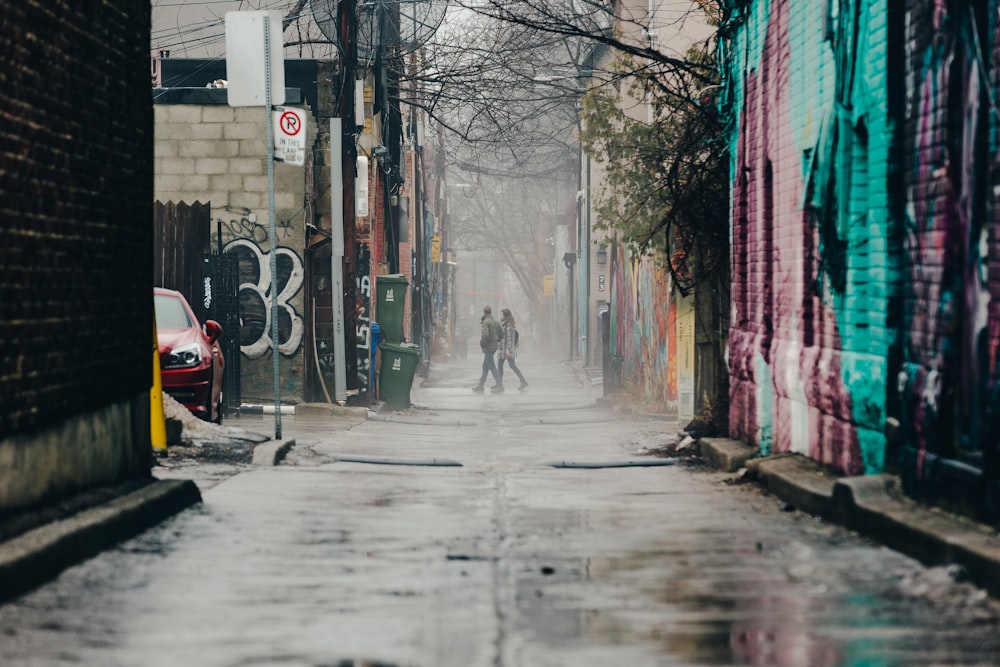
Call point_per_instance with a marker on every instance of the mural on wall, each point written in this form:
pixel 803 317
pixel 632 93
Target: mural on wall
pixel 247 238
pixel 809 338
pixel 949 378
pixel 643 331
pixel 864 267
pixel 256 301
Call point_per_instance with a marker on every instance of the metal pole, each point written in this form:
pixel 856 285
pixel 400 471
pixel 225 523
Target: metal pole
pixel 584 312
pixel 574 276
pixel 269 150
pixel 337 259
pixel 572 321
pixel 575 333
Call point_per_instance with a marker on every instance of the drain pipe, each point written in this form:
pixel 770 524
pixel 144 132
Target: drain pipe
pixel 612 464
pixel 441 463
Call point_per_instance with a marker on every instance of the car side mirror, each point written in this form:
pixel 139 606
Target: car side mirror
pixel 213 330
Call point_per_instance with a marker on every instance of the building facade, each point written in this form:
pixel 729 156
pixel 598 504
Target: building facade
pixel 76 240
pixel 212 153
pixel 209 152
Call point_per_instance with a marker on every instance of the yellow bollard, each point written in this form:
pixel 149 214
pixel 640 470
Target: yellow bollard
pixel 157 420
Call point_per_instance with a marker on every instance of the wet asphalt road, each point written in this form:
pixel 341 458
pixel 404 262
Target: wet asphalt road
pixel 503 561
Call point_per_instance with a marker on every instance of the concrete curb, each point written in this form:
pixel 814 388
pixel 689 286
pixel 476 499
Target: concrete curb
pixel 796 480
pixel 39 555
pixel 308 410
pixel 725 454
pixel 872 505
pixel 327 410
pixel 272 453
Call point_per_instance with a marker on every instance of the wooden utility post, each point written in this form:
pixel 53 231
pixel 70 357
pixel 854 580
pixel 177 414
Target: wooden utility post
pixel 348 29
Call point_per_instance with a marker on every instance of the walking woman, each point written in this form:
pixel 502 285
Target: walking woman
pixel 508 347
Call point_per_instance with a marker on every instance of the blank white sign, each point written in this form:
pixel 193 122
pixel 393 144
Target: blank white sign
pixel 245 58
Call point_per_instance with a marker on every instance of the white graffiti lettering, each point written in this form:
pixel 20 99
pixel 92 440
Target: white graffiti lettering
pixel 258 293
pixel 208 293
pixel 365 286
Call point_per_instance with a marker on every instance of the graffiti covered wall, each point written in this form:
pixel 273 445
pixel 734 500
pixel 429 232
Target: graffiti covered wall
pixel 643 328
pixel 215 153
pixel 948 370
pixel 245 233
pixel 866 289
pixel 811 270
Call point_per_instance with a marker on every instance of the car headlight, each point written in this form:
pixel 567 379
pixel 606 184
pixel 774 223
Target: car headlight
pixel 185 356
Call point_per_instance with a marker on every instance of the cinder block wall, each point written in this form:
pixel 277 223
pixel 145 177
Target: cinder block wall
pixel 75 247
pixel 810 333
pixel 214 153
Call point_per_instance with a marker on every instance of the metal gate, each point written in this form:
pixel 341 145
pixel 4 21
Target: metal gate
pixel 222 304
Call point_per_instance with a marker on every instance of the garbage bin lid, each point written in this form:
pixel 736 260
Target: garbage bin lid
pixel 405 348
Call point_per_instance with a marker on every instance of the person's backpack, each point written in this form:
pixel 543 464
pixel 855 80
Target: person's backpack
pixel 517 338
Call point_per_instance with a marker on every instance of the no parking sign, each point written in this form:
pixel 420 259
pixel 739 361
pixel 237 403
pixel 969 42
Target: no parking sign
pixel 290 135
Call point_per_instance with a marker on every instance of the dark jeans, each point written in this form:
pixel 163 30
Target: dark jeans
pixel 514 368
pixel 490 366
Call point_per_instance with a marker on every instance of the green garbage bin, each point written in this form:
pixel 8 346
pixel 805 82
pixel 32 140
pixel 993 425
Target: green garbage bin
pixel 395 375
pixel 391 306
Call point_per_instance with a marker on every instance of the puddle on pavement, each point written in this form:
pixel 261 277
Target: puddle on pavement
pixel 698 617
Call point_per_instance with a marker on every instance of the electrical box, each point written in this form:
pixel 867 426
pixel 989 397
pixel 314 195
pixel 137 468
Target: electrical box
pixel 361 188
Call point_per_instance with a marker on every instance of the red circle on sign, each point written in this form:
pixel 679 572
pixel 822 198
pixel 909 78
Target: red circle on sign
pixel 289 123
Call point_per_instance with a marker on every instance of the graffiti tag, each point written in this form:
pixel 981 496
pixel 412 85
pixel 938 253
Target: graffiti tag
pixel 256 301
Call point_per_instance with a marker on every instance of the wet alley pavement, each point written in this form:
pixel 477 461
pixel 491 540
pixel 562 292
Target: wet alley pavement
pixel 514 530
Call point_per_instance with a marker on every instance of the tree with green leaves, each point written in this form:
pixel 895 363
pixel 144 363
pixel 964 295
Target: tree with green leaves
pixel 667 175
pixel 666 194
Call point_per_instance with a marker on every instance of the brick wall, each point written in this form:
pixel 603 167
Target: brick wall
pixel 865 243
pixel 948 372
pixel 75 246
pixel 810 339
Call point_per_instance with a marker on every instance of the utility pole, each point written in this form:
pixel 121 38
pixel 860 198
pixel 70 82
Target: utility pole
pixel 347 25
pixel 419 247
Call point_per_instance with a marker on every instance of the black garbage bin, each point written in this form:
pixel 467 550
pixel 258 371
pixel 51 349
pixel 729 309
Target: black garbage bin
pixel 391 306
pixel 395 374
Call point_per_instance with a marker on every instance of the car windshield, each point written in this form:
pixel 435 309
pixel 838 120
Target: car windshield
pixel 170 312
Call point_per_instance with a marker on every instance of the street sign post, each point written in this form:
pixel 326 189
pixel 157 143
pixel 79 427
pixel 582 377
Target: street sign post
pixel 255 69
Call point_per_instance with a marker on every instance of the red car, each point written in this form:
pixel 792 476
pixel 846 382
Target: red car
pixel 191 362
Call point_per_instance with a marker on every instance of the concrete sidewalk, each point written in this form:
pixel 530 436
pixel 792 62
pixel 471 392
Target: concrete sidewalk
pixel 76 530
pixel 38 544
pixel 872 505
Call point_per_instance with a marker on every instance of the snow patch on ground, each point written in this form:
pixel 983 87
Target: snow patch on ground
pixel 193 429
